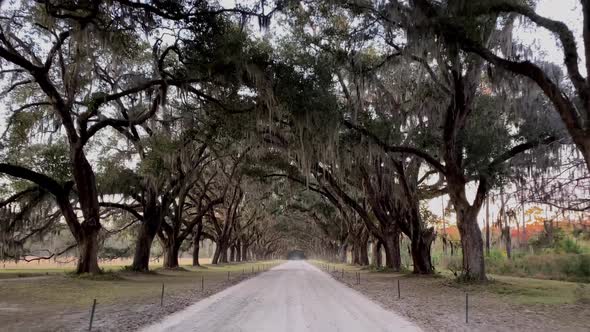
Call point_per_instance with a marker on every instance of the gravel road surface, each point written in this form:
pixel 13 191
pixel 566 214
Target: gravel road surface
pixel 295 296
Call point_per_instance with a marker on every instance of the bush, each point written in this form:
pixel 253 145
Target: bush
pixel 578 266
pixel 571 266
pixel 496 254
pixel 568 246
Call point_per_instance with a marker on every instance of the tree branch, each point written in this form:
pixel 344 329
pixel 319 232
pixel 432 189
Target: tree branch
pixel 397 149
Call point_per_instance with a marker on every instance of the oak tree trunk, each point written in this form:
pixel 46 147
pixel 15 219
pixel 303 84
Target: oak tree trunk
pixel 88 251
pixel 471 243
pixel 393 258
pixel 355 254
pixel 143 245
pixel 216 254
pixel 171 255
pixel 244 253
pixel 88 199
pixel 364 250
pixel 420 251
pixel 342 250
pixel 196 253
pixel 196 243
pixel 238 252
pixel 376 255
pixel 232 254
pixel 223 254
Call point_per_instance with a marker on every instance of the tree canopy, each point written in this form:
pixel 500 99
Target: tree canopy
pixel 280 125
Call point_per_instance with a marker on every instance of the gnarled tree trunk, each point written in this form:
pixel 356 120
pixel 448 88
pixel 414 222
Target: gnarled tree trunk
pixel 152 219
pixel 88 251
pixel 88 199
pixel 376 254
pixel 471 243
pixel 342 250
pixel 238 252
pixel 143 245
pixel 355 254
pixel 171 255
pixel 420 250
pixel 245 253
pixel 216 253
pixel 393 258
pixel 364 249
pixel 232 254
pixel 196 242
pixel 223 254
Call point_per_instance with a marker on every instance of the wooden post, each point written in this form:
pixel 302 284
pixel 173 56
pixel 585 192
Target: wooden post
pixel 466 308
pixel 399 294
pixel 162 296
pixel 92 315
pixel 202 283
pixel 228 275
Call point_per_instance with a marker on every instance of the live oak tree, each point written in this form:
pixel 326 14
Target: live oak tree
pixel 99 61
pixel 570 95
pixel 462 79
pixel 59 80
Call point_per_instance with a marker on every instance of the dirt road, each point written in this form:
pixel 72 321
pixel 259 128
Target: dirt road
pixel 294 296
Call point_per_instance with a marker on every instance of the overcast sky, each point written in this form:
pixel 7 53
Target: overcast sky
pixel 567 11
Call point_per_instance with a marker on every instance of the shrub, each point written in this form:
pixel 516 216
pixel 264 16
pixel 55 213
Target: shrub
pixel 568 246
pixel 572 267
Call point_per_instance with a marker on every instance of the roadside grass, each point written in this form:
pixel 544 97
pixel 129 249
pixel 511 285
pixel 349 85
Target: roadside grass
pixel 24 273
pixel 518 290
pixel 347 268
pixel 539 291
pixel 62 290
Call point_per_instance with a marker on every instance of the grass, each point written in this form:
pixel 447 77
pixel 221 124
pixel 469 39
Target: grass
pixel 551 265
pixel 64 290
pixel 24 273
pixel 525 291
pixel 569 266
pixel 537 291
pixel 518 290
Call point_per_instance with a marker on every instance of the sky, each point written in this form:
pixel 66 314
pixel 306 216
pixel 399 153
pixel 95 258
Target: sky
pixel 567 11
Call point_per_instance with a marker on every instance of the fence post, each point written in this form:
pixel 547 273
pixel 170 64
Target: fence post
pixel 162 296
pixel 399 294
pixel 466 308
pixel 92 315
pixel 202 283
